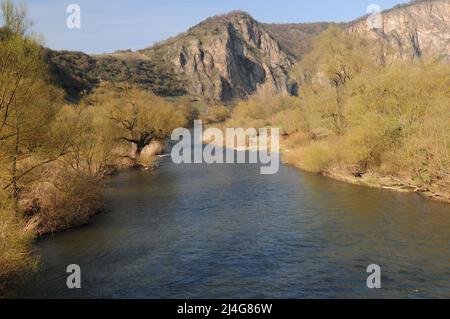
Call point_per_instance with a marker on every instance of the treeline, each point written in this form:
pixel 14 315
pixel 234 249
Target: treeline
pixel 360 113
pixel 54 155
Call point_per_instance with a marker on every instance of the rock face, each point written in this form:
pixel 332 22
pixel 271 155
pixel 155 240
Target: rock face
pixel 416 30
pixel 225 58
pixel 229 57
pixel 221 59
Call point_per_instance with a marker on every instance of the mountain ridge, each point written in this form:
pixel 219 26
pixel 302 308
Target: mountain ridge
pixel 229 57
pixel 226 57
pixel 414 30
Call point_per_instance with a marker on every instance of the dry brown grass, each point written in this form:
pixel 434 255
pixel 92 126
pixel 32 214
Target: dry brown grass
pixel 313 157
pixel 16 255
pixel 62 199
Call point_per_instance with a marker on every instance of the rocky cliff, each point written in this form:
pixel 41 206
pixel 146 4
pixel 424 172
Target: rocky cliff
pixel 229 57
pixel 415 30
pixel 225 58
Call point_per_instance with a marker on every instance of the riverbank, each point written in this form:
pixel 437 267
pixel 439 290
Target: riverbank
pixel 19 236
pixel 368 179
pixel 195 230
pixel 42 224
pixel 373 179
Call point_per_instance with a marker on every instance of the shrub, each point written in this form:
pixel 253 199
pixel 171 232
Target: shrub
pixel 313 157
pixel 364 144
pixel 16 254
pixel 216 114
pixel 297 139
pixel 63 199
pixel 291 121
pixel 316 158
pixel 187 109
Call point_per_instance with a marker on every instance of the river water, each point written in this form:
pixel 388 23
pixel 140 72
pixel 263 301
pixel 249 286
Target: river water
pixel 225 231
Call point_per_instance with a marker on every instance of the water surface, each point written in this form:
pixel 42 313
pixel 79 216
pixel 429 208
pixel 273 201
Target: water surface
pixel 225 231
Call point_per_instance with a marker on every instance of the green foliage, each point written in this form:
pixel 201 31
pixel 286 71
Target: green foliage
pixel 357 113
pixel 296 38
pixel 91 139
pixel 259 109
pixel 216 114
pixel 337 57
pixel 291 121
pixel 27 107
pixel 316 158
pixel 408 106
pixel 78 73
pixel 16 254
pixel 365 143
pixel 53 157
pixel 138 117
pixel 14 17
pixel 187 108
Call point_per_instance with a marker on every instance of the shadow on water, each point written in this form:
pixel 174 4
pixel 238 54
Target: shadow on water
pixel 225 231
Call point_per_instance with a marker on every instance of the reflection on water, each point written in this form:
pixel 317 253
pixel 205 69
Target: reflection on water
pixel 225 231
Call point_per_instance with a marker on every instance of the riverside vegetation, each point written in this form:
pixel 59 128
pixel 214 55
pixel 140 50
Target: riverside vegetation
pixel 362 116
pixel 54 155
pixel 359 115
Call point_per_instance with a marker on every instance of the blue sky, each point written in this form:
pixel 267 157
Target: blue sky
pixel 109 25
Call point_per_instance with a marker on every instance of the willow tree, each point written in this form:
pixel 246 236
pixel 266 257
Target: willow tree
pixel 138 116
pixel 337 58
pixel 15 17
pixel 27 105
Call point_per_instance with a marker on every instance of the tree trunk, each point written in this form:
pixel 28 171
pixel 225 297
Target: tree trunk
pixel 136 150
pixel 15 187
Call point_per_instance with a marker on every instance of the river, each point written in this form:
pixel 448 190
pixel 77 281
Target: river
pixel 225 231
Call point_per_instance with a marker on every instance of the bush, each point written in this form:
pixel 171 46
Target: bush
pixel 216 114
pixel 365 144
pixel 187 109
pixel 291 121
pixel 297 139
pixel 16 254
pixel 63 199
pixel 314 157
pixel 138 117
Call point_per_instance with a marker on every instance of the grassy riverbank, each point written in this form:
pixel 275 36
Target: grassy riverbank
pixel 372 179
pixel 55 154
pixel 400 183
pixel 362 117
